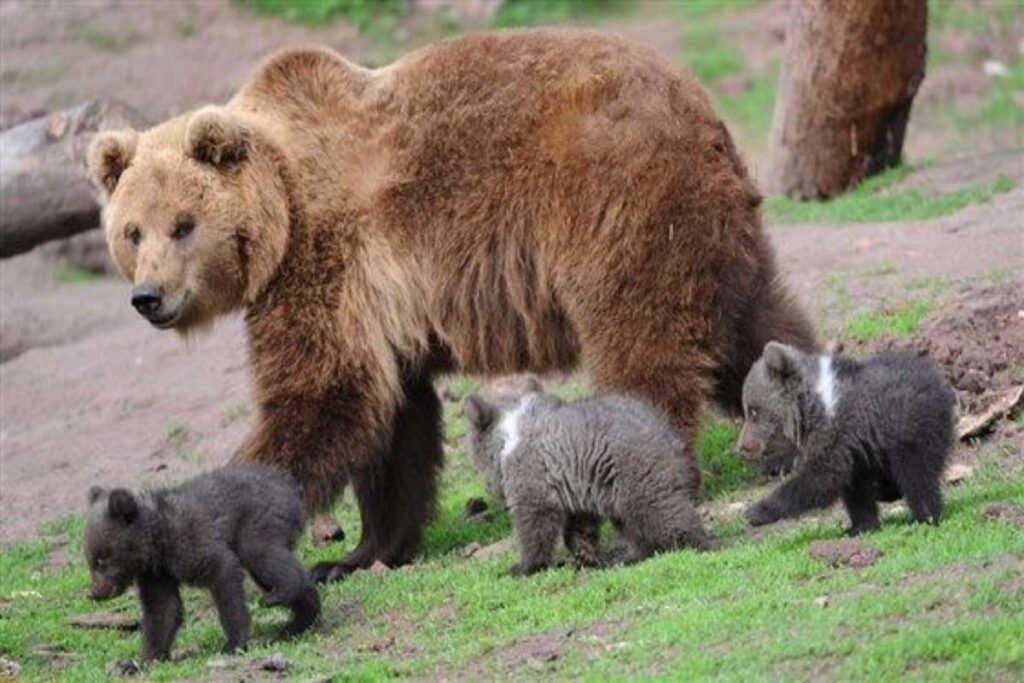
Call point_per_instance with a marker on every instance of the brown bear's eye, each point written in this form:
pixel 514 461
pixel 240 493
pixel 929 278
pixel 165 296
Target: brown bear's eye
pixel 752 413
pixel 183 227
pixel 133 235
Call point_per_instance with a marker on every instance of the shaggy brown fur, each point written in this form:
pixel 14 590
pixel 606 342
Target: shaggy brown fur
pixel 502 202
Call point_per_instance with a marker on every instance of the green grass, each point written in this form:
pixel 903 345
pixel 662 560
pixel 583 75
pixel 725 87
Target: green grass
pixel 707 53
pixel 942 603
pixel 69 272
pixel 531 12
pixel 374 17
pixel 898 321
pixel 876 200
pixel 722 469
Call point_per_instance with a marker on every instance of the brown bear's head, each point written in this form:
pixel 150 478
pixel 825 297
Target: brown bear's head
pixel 196 215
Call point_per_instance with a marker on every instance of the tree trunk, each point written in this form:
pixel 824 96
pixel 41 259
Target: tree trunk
pixel 45 192
pixel 851 70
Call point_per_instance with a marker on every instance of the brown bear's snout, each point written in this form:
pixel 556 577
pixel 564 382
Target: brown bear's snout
pixel 146 299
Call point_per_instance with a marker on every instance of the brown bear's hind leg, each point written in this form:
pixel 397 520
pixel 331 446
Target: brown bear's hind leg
pixel 396 494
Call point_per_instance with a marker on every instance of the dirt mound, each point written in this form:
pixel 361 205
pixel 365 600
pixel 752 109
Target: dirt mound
pixel 846 552
pixel 977 341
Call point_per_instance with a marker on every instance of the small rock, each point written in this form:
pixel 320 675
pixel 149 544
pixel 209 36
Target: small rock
pixel 275 662
pixel 471 549
pixel 821 601
pixel 956 473
pixel 494 549
pixel 848 552
pixel 996 69
pixel 118 621
pixel 378 568
pixel 9 668
pixel 123 667
pixel 474 508
pixel 325 531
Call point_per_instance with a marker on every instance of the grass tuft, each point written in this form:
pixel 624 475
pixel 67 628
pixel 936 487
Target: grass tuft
pixel 900 321
pixel 373 17
pixel 70 273
pixel 722 469
pixel 532 12
pixel 873 200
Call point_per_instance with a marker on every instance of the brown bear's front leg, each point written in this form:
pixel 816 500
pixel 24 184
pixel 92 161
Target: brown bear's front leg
pixel 396 494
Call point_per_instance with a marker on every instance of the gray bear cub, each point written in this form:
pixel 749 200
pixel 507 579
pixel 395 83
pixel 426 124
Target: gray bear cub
pixel 562 467
pixel 205 532
pixel 864 431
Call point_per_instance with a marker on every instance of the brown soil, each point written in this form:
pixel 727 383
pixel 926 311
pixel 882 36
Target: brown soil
pixel 978 342
pixel 846 552
pixel 1006 513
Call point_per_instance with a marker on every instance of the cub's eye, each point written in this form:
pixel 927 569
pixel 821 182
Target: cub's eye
pixel 183 227
pixel 752 413
pixel 133 235
pixel 99 564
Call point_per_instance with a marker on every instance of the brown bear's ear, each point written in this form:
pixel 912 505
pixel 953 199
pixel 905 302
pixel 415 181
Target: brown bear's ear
pixel 95 493
pixel 215 136
pixel 479 412
pixel 779 359
pixel 122 506
pixel 109 155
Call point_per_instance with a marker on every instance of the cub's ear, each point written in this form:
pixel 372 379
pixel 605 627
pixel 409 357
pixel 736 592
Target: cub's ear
pixel 110 154
pixel 122 506
pixel 780 360
pixel 95 493
pixel 479 412
pixel 217 137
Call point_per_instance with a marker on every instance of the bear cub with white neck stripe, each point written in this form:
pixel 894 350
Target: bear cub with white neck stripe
pixel 562 467
pixel 864 431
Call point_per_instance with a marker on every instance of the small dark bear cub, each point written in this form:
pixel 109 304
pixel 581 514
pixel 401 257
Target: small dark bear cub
pixel 864 431
pixel 204 533
pixel 563 467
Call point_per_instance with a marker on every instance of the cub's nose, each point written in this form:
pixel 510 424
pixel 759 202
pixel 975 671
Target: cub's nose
pixel 146 298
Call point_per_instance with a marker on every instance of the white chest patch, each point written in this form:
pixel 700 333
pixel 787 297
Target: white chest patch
pixel 826 386
pixel 509 427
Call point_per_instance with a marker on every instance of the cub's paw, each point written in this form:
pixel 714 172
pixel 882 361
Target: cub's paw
pixel 759 514
pixel 325 572
pixel 233 648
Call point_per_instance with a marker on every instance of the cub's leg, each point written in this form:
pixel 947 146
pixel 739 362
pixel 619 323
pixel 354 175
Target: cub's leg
pixel 923 492
pixel 537 530
pixel 582 533
pixel 817 484
pixel 229 596
pixel 285 582
pixel 859 499
pixel 162 615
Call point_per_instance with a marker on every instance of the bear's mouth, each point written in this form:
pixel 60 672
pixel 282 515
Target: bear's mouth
pixel 169 315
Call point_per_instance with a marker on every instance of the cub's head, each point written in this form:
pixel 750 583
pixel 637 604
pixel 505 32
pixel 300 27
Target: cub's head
pixel 488 432
pixel 772 394
pixel 196 214
pixel 117 544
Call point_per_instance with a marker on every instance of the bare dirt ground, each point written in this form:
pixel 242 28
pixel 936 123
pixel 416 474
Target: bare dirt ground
pixel 90 393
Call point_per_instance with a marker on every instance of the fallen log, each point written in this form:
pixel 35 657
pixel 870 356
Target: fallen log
pixel 45 192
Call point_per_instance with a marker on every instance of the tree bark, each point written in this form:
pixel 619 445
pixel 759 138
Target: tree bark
pixel 851 70
pixel 45 192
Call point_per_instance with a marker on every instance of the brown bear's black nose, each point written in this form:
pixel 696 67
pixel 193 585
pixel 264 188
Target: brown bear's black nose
pixel 146 298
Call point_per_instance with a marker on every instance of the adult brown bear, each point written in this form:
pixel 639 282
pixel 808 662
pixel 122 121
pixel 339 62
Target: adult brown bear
pixel 525 200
